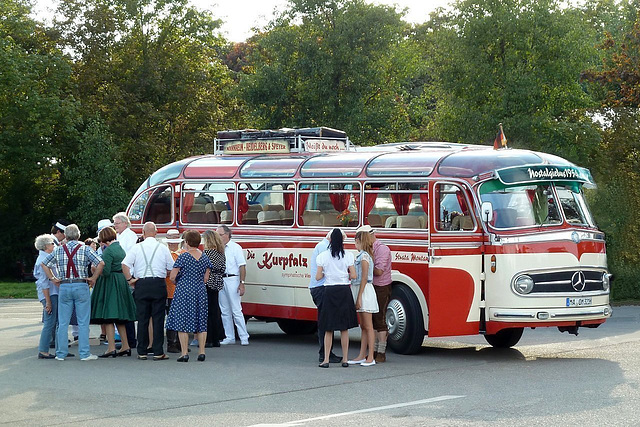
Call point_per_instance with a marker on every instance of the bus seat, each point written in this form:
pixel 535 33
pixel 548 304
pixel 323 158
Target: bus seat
pixel 375 220
pixel 211 214
pixel 256 207
pixel 226 217
pixel 220 206
pixel 160 213
pixel 276 208
pixel 286 216
pixel 462 222
pixel 408 221
pixel 390 222
pixel 250 216
pixel 312 218
pixel 269 218
pixel 424 221
pixel 196 215
pixel 330 219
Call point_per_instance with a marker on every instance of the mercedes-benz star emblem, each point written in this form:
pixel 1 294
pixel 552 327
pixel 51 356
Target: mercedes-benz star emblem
pixel 578 281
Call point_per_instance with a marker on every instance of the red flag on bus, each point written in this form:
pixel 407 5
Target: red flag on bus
pixel 501 140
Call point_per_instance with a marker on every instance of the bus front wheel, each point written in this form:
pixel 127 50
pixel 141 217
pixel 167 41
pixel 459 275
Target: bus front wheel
pixel 297 327
pixel 404 319
pixel 505 338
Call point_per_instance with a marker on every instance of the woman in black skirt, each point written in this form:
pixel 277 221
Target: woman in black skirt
pixel 338 312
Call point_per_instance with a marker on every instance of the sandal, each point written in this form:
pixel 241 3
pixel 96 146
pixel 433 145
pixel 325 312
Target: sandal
pixel 161 357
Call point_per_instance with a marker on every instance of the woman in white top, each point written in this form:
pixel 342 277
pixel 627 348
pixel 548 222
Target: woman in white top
pixel 365 298
pixel 337 312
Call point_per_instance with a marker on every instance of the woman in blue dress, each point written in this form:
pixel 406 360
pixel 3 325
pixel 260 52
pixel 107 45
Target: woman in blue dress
pixel 189 308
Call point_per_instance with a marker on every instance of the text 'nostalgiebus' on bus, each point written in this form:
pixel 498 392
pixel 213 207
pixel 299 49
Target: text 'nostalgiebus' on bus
pixel 483 241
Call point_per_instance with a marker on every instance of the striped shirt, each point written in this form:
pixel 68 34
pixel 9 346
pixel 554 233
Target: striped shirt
pixel 82 259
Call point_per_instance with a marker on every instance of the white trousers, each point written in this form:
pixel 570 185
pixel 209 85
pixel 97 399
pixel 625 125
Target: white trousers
pixel 232 310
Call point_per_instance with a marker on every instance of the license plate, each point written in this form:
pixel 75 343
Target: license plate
pixel 578 302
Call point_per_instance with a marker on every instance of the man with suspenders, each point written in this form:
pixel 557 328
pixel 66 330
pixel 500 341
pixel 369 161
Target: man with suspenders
pixel 146 266
pixel 72 260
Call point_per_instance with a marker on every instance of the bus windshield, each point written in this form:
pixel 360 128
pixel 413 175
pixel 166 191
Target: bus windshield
pixel 535 205
pixel 523 206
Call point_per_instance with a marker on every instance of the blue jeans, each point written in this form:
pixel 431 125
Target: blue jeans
pixel 49 325
pixel 78 295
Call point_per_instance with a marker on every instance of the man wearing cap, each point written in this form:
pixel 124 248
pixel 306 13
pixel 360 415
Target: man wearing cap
pixel 173 241
pixel 72 260
pixel 149 263
pixel 57 230
pixel 316 287
pixel 382 286
pixel 234 275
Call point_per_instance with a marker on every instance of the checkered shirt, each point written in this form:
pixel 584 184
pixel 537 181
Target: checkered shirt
pixel 82 259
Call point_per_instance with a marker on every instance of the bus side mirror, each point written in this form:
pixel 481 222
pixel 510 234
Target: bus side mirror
pixel 487 212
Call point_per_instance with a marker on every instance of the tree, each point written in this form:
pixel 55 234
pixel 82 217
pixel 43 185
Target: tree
pixel 38 115
pixel 95 176
pixel 517 62
pixel 152 70
pixel 332 63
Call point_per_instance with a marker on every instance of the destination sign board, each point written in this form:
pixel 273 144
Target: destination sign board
pixel 257 146
pixel 537 173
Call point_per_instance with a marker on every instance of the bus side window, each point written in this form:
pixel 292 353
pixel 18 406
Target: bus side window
pixel 453 211
pixel 396 205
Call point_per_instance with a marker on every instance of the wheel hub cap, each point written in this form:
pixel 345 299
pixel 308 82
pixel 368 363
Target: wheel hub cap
pixel 396 319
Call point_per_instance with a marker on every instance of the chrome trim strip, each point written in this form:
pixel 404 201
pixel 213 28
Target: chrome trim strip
pixel 557 282
pixel 514 315
pixel 589 313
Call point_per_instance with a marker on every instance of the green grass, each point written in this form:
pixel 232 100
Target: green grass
pixel 18 290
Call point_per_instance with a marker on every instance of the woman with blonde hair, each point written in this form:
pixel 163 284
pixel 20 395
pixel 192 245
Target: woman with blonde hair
pixel 365 298
pixel 214 249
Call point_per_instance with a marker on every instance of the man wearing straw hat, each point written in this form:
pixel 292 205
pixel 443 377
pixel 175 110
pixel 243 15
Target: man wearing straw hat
pixel 174 242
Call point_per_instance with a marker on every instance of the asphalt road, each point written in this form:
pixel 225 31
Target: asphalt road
pixel 548 379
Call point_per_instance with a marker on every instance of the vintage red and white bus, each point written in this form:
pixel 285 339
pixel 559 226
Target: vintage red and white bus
pixel 483 241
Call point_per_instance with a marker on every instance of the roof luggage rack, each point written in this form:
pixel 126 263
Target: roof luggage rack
pixel 284 140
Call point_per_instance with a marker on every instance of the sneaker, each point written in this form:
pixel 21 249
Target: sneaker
pixel 244 342
pixel 381 358
pixel 373 362
pixel 90 357
pixel 194 343
pixel 60 358
pixel 227 341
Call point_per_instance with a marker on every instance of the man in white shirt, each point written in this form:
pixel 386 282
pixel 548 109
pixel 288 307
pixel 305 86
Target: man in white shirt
pixel 233 289
pixel 146 266
pixel 125 235
pixel 127 239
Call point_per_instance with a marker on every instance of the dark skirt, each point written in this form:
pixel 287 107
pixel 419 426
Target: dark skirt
pixel 338 312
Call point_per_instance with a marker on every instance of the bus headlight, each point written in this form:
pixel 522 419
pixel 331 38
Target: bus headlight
pixel 524 284
pixel 606 281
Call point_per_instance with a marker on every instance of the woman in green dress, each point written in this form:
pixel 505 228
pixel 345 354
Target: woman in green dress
pixel 111 300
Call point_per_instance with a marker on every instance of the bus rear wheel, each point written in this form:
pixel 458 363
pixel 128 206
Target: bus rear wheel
pixel 297 327
pixel 404 319
pixel 505 338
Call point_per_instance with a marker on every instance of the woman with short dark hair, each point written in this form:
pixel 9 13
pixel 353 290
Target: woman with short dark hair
pixel 188 312
pixel 111 300
pixel 338 312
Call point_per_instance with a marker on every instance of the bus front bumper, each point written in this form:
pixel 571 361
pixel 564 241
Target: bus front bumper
pixel 542 315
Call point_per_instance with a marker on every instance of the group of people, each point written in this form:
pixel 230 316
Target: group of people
pixel 342 285
pixel 198 292
pixel 132 280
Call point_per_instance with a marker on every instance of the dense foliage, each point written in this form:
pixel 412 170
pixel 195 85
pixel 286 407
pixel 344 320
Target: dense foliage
pixel 93 103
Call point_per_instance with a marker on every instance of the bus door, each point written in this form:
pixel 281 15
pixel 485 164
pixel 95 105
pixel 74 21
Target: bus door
pixel 455 262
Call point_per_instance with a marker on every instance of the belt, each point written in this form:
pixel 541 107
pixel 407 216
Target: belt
pixel 73 281
pixel 229 275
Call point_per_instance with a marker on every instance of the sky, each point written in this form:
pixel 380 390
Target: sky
pixel 240 16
